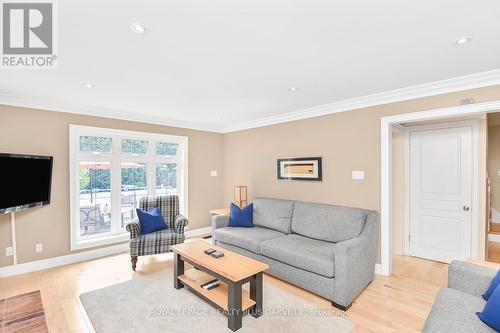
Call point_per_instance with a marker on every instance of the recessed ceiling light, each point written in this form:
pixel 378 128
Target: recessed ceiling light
pixel 88 85
pixel 463 40
pixel 292 89
pixel 138 28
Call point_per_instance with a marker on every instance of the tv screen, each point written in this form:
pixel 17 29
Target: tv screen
pixel 24 181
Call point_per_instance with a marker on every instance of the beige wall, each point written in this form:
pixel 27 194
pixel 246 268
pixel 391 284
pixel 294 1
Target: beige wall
pixel 40 132
pixel 347 141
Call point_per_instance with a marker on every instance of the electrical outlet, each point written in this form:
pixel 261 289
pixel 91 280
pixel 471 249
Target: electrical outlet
pixel 9 251
pixel 39 247
pixel 358 175
pixel 213 173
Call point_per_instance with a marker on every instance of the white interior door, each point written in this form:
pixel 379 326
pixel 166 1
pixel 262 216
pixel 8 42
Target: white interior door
pixel 441 193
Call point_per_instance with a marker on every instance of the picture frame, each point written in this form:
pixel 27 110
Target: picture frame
pixel 300 168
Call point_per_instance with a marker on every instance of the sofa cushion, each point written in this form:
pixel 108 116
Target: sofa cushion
pixel 273 214
pixel 326 222
pixel 151 221
pixel 491 312
pixel 494 284
pixel 455 311
pixel 308 254
pixel 241 217
pixel 246 238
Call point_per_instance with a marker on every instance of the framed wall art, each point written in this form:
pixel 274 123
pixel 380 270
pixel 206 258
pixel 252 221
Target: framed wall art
pixel 300 168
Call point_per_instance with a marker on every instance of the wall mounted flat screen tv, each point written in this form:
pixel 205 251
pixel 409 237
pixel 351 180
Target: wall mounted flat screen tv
pixel 25 181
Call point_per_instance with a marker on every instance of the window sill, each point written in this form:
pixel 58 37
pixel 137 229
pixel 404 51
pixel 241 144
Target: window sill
pixel 99 241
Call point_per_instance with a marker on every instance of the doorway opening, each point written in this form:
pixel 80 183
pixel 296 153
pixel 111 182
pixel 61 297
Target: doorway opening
pixel 435 175
pixel 397 123
pixel 493 188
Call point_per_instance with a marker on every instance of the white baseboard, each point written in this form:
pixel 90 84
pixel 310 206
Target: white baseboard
pixel 72 258
pixel 38 265
pixel 494 238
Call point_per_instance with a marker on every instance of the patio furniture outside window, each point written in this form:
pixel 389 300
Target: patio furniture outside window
pixel 111 170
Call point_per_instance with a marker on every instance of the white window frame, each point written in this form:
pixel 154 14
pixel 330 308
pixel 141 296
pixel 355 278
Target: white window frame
pixel 117 233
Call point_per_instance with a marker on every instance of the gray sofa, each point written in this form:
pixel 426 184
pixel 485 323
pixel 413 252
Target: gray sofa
pixel 455 307
pixel 329 250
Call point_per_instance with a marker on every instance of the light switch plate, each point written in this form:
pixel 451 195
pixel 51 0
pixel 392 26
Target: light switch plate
pixel 213 173
pixel 9 251
pixel 358 175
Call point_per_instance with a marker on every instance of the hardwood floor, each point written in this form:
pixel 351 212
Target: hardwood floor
pixel 399 303
pixel 494 252
pixel 495 227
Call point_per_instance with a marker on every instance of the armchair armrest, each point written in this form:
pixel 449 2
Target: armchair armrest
pixel 469 278
pixel 355 262
pixel 134 228
pixel 180 223
pixel 218 221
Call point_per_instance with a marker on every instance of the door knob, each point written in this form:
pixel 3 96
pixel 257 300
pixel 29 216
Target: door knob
pixel 466 208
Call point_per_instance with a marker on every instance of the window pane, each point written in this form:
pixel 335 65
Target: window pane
pixel 95 144
pixel 164 148
pixel 133 187
pixel 130 146
pixel 95 198
pixel 166 178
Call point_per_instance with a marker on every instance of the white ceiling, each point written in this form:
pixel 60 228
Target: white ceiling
pixel 224 64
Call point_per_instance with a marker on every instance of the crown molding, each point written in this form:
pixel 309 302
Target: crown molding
pixel 28 102
pixel 477 80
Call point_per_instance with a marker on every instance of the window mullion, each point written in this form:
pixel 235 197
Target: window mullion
pixel 116 186
pixel 152 167
pixel 114 232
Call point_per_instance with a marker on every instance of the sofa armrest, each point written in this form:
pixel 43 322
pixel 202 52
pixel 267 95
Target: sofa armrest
pixel 134 228
pixel 469 278
pixel 218 221
pixel 180 223
pixel 355 262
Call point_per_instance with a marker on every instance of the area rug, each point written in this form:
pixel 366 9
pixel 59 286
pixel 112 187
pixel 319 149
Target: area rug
pixel 23 314
pixel 150 304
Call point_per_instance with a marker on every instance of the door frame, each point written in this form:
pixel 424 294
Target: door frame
pixel 386 124
pixel 474 125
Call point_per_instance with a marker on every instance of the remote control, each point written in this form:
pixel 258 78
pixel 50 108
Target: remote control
pixel 212 286
pixel 209 284
pixel 209 251
pixel 217 254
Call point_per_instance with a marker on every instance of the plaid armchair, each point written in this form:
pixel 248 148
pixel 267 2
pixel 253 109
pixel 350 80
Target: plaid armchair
pixel 159 241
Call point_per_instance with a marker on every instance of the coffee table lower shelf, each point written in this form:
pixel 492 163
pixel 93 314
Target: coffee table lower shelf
pixel 193 279
pixel 233 272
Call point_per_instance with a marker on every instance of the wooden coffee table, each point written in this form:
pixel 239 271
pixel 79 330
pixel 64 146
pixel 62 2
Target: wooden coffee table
pixel 233 271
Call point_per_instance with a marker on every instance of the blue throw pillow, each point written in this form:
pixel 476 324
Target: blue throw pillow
pixel 241 217
pixel 151 221
pixel 490 315
pixel 494 283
